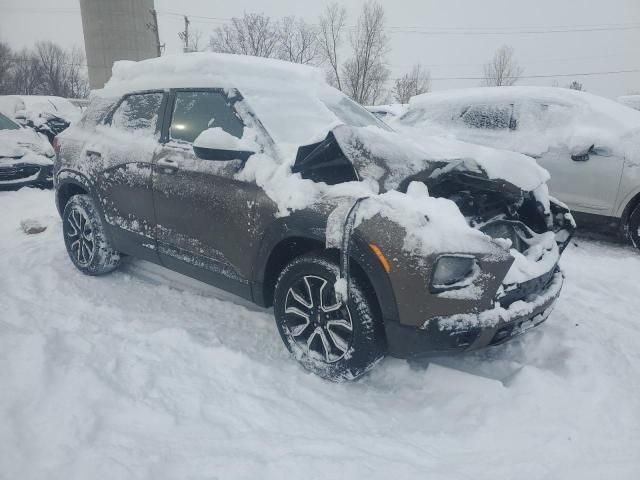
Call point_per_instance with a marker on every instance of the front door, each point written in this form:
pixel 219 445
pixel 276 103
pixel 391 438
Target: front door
pixel 204 213
pixel 587 181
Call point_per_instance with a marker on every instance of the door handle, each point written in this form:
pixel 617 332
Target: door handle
pixel 168 165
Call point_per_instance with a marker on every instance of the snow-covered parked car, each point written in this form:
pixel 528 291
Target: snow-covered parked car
pixel 258 177
pixel 590 145
pixel 26 157
pixel 48 115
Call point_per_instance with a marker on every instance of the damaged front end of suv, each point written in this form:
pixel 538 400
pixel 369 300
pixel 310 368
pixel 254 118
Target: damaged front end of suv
pixel 476 265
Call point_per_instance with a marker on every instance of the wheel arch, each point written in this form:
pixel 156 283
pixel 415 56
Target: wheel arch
pixel 631 203
pixel 69 184
pixel 364 264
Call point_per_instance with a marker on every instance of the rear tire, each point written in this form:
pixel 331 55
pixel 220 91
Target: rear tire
pixel 84 236
pixel 632 228
pixel 336 340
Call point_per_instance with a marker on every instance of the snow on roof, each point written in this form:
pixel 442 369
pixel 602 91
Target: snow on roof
pixel 560 96
pixel 285 96
pixel 206 69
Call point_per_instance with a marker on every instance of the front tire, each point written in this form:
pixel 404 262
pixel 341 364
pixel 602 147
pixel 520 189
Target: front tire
pixel 633 227
pixel 84 236
pixel 333 339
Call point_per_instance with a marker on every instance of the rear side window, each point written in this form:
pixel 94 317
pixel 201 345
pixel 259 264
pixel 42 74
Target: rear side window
pixel 97 110
pixel 138 113
pixel 196 111
pixel 490 117
pixel 6 124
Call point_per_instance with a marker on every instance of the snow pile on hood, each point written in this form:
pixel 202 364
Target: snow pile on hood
pixel 391 158
pixel 37 107
pixel 26 145
pixel 546 118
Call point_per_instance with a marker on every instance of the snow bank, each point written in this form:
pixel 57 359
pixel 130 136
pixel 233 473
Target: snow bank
pixel 24 146
pixel 145 374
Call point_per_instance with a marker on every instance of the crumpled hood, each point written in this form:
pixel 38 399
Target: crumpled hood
pixel 390 158
pixel 22 142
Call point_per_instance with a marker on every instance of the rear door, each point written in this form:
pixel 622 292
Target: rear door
pixel 204 214
pixel 122 151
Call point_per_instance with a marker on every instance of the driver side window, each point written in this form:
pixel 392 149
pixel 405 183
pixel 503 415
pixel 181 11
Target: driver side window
pixel 197 111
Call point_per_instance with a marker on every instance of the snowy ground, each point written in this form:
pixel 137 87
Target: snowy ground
pixel 146 374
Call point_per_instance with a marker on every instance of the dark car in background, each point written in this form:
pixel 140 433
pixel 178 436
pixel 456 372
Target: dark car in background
pixel 202 168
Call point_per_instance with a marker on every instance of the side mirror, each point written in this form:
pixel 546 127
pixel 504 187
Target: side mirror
pixel 582 154
pixel 221 155
pixel 217 145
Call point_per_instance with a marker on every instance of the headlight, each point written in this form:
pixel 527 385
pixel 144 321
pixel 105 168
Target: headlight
pixel 453 271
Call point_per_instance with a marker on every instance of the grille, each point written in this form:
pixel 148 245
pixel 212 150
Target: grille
pixel 523 290
pixel 18 173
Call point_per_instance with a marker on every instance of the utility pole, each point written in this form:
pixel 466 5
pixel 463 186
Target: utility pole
pixel 186 33
pixel 153 26
pixel 184 36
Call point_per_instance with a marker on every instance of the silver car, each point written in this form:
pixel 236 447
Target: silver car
pixel 589 145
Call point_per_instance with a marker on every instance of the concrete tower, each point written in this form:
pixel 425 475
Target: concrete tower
pixel 116 30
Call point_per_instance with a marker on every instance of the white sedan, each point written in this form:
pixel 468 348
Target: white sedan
pixel 590 145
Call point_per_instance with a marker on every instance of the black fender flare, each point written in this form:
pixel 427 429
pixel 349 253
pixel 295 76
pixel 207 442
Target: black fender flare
pixel 309 225
pixel 70 177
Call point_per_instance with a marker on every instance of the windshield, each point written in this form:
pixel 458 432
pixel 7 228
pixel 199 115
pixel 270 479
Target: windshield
pixel 304 114
pixel 350 113
pixel 7 124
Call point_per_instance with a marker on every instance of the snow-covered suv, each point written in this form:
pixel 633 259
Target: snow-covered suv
pixel 256 176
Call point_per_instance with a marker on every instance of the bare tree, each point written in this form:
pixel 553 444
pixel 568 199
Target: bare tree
pixel 414 83
pixel 46 70
pixel 503 70
pixel 332 26
pixel 6 66
pixel 575 85
pixel 26 76
pixel 75 76
pixel 298 41
pixel 365 73
pixel 52 59
pixel 252 34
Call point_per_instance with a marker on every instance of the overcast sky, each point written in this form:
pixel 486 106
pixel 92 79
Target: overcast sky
pixel 455 36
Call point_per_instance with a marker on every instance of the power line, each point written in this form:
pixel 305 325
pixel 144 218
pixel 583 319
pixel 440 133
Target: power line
pixel 424 30
pixel 581 74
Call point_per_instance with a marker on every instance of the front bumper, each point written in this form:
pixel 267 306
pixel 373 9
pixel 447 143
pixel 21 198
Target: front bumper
pixel 18 175
pixel 472 331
